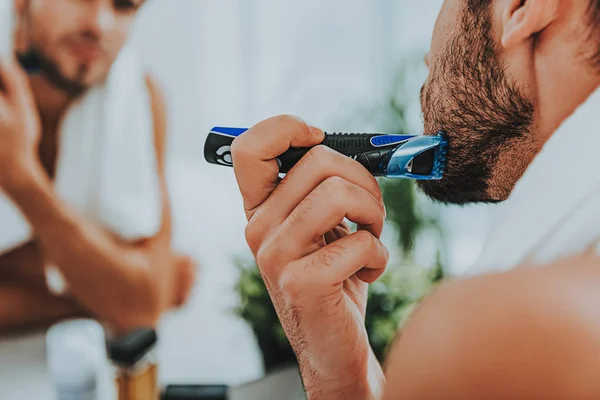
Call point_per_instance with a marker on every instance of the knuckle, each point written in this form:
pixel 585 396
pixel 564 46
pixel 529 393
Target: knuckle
pixel 290 285
pixel 319 154
pixel 288 120
pixel 386 254
pixel 337 191
pixel 238 149
pixel 272 255
pixel 291 123
pixel 253 234
pixel 250 235
pixel 335 187
pixel 302 212
pixel 265 259
pixel 326 259
pixel 365 239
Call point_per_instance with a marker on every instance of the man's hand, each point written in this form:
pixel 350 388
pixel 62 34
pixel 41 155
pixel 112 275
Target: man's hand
pixel 315 269
pixel 19 121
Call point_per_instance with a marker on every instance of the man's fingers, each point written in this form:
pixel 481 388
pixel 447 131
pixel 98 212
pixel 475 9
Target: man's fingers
pixel 337 233
pixel 319 164
pixel 254 155
pixel 360 253
pixel 13 79
pixel 320 212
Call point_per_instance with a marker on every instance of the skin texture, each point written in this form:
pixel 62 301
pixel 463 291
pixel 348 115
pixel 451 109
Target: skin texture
pixel 126 285
pixel 536 71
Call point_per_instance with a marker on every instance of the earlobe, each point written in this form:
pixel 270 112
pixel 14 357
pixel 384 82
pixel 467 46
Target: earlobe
pixel 522 19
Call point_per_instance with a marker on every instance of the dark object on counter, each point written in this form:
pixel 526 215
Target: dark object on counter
pixel 137 370
pixel 129 349
pixel 195 392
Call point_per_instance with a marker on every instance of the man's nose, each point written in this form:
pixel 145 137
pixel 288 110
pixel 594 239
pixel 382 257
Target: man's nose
pixel 427 59
pixel 101 18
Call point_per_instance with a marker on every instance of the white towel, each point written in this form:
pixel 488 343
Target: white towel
pixel 554 211
pixel 107 165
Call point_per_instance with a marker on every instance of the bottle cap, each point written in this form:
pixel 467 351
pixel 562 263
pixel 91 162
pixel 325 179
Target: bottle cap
pixel 127 350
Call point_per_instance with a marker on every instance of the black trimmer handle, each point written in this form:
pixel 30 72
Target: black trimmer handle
pixel 369 149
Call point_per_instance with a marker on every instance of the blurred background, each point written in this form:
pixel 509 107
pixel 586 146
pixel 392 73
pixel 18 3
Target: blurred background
pixel 355 65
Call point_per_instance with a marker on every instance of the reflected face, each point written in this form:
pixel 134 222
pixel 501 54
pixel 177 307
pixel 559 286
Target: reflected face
pixel 486 115
pixel 77 41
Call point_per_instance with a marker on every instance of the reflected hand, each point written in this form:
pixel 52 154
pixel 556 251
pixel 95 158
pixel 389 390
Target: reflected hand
pixel 19 122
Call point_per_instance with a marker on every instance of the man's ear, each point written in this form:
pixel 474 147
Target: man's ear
pixel 523 18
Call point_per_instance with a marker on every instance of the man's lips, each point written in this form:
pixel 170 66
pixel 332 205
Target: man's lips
pixel 85 52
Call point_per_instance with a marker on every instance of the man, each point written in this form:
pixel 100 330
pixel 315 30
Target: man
pixel 125 285
pixel 505 75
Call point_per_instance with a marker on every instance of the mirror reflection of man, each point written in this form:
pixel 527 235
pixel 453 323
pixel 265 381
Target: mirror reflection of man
pixel 125 284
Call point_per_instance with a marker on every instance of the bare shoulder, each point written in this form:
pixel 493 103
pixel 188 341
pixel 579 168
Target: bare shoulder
pixel 159 112
pixel 527 334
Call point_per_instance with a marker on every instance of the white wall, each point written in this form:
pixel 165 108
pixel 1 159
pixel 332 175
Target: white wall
pixel 238 61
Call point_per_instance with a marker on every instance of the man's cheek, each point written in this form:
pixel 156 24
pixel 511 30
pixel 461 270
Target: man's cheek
pixel 446 26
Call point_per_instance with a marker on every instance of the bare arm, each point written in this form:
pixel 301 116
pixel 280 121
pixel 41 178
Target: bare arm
pixel 528 334
pixel 26 306
pixel 126 285
pixel 25 301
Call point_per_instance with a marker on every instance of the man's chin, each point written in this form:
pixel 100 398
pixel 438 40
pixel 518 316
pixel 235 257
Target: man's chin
pixel 460 193
pixel 62 82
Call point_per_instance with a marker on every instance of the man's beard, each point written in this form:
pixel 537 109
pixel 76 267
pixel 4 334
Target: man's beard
pixel 52 72
pixel 483 113
pixel 48 67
